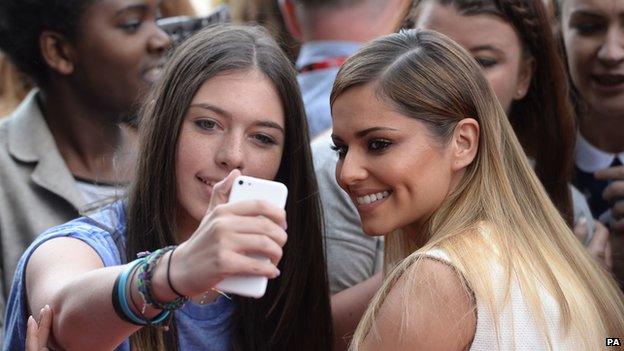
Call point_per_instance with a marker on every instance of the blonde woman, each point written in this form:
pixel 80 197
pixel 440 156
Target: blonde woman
pixel 478 256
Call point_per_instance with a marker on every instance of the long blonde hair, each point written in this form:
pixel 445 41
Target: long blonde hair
pixel 425 75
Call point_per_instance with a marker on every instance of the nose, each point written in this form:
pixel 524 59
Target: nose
pixel 612 50
pixel 350 170
pixel 230 154
pixel 158 41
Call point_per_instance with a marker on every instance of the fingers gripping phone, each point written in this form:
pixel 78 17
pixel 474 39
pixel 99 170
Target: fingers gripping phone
pixel 250 188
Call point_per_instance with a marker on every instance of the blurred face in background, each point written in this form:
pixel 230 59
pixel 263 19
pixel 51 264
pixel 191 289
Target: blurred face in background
pixel 593 34
pixel 119 52
pixel 493 42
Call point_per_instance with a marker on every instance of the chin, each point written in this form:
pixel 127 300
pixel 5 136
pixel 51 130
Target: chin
pixel 198 212
pixel 376 229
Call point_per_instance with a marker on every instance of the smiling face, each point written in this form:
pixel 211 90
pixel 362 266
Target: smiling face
pixel 235 120
pixel 394 170
pixel 492 42
pixel 118 52
pixel 593 33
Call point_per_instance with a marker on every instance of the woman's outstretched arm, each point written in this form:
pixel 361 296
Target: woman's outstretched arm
pixel 68 275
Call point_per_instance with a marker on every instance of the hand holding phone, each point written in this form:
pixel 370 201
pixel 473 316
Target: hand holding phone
pixel 250 188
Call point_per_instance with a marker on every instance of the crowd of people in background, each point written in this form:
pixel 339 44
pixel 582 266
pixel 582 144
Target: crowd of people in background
pixel 455 174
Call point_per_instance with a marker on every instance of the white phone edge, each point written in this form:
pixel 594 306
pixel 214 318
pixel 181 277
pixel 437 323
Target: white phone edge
pixel 273 192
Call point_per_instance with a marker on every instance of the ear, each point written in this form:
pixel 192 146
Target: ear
pixel 465 143
pixel 288 8
pixel 57 52
pixel 525 75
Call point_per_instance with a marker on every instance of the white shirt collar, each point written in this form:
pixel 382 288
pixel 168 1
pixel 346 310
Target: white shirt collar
pixel 590 159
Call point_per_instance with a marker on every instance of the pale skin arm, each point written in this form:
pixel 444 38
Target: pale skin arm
pixel 69 275
pixel 348 306
pixel 438 313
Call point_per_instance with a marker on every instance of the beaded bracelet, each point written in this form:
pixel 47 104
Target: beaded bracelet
pixel 120 299
pixel 144 281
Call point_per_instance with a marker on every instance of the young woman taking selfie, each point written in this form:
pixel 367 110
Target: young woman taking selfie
pixel 227 104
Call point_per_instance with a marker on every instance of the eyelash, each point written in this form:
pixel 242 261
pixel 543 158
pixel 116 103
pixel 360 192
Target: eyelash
pixel 131 27
pixel 265 139
pixel 340 150
pixel 588 28
pixel 379 148
pixel 486 63
pixel 201 123
pixel 374 146
pixel 210 125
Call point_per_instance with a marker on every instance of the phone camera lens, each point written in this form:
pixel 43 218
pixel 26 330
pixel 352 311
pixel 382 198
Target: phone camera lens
pixel 240 182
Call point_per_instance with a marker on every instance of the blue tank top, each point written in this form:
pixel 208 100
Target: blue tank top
pixel 200 327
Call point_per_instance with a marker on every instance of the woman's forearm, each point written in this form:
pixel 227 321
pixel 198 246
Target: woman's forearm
pixel 84 318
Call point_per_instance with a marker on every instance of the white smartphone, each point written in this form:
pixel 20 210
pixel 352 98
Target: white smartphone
pixel 250 188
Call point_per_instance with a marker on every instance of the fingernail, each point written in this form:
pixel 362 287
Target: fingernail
pixel 582 220
pixel 277 272
pixel 41 312
pixel 285 226
pixel 31 318
pixel 47 307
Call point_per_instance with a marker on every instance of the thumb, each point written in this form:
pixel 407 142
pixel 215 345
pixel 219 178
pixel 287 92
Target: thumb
pixel 580 229
pixel 221 190
pixel 600 239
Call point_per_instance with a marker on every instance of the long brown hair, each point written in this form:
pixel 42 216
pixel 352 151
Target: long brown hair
pixel 295 312
pixel 499 212
pixel 544 120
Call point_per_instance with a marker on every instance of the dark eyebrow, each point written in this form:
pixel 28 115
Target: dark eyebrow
pixel 212 108
pixel 486 47
pixel 224 113
pixel 335 137
pixel 586 13
pixel 363 133
pixel 270 124
pixel 135 7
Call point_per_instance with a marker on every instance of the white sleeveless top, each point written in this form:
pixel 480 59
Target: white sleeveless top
pixel 517 328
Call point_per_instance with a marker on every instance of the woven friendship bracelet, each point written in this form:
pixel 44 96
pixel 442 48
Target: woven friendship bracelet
pixel 144 282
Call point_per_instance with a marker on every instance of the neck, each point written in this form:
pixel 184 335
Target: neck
pixel 417 233
pixel 357 23
pixel 87 139
pixel 599 131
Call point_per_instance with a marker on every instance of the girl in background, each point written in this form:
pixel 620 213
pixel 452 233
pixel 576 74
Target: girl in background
pixel 593 36
pixel 514 44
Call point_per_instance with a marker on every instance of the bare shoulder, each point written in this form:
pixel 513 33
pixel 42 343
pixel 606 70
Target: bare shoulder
pixel 429 308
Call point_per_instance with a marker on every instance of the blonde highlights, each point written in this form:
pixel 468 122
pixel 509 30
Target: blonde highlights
pixel 500 211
